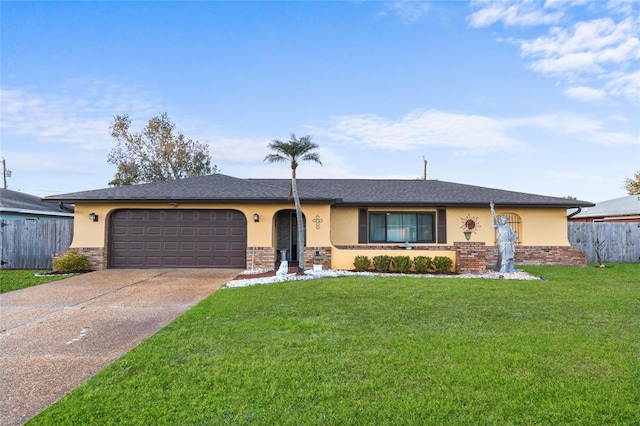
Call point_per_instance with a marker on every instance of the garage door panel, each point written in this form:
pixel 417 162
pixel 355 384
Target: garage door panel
pixel 236 246
pixel 168 246
pixel 120 245
pixel 134 215
pixel 204 246
pixel 136 246
pixel 170 230
pixel 237 232
pixel 153 246
pixel 164 215
pixel 177 238
pixel 119 230
pixel 136 230
pixel 187 246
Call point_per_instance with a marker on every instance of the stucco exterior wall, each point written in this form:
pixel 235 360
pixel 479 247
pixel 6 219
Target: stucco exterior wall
pixel 540 227
pixel 336 228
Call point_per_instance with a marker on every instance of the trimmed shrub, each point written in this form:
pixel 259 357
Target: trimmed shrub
pixel 71 262
pixel 382 263
pixel 401 264
pixel 442 264
pixel 362 263
pixel 422 264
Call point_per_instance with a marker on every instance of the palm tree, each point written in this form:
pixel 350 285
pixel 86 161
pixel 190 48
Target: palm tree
pixel 295 151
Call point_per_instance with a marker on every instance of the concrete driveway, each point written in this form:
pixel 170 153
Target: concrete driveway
pixel 55 336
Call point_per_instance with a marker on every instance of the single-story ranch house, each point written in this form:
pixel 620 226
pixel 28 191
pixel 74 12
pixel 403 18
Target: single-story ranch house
pixel 225 222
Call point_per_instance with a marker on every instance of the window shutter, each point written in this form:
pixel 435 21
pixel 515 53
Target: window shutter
pixel 442 226
pixel 362 227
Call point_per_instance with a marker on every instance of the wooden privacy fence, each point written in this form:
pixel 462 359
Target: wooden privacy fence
pixel 29 244
pixel 615 242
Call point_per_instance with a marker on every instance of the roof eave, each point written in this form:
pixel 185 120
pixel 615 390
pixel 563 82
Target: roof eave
pixel 36 212
pixel 193 200
pixel 460 204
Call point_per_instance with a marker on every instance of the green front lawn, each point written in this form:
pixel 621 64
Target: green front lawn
pixel 16 279
pixel 386 350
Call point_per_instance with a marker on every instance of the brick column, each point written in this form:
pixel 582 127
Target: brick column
pixel 310 254
pixel 471 257
pixel 97 256
pixel 261 258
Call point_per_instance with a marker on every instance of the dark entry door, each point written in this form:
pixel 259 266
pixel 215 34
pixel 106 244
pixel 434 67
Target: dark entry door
pixel 175 238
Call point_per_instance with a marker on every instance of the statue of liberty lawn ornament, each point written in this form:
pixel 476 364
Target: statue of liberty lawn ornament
pixel 505 241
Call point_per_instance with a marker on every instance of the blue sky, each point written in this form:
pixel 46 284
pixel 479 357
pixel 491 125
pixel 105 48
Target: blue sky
pixel 539 97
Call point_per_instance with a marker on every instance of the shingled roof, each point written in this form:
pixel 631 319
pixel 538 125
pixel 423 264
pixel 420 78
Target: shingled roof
pixel 19 202
pixel 353 192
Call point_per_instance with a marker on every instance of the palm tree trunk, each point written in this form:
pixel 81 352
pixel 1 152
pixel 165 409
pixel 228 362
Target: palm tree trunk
pixel 300 220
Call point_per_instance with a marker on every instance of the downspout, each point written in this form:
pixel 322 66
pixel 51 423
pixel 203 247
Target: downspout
pixel 574 213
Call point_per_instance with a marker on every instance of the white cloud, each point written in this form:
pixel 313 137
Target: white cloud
pixel 584 128
pixel 584 48
pixel 81 114
pixel 625 84
pixel 408 11
pixel 253 150
pixel 472 134
pixel 523 13
pixel 583 93
pixel 593 56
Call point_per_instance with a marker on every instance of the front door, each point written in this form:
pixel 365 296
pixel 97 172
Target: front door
pixel 287 232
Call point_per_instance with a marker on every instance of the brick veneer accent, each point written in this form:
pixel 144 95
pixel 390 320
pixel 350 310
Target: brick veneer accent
pixel 471 258
pixel 97 256
pixel 261 258
pixel 323 253
pixel 542 255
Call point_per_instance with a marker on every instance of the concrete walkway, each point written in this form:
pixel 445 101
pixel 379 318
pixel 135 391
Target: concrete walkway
pixel 55 336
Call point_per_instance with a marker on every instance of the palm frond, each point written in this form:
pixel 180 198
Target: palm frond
pixel 275 158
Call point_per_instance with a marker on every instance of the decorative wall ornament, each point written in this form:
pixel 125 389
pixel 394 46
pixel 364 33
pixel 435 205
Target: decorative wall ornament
pixel 317 221
pixel 469 225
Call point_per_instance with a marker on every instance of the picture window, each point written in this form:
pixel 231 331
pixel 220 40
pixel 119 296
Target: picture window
pixel 392 227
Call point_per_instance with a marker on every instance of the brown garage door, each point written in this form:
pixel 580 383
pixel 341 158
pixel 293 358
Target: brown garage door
pixel 177 239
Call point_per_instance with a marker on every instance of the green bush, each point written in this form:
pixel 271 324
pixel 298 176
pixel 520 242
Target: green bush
pixel 401 264
pixel 71 262
pixel 362 263
pixel 382 263
pixel 442 264
pixel 422 264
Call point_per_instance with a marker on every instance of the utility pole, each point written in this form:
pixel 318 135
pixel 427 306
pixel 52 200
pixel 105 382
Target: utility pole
pixel 424 169
pixel 4 173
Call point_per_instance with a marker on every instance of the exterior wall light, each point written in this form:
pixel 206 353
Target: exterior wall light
pixel 256 217
pixel 93 217
pixel 467 233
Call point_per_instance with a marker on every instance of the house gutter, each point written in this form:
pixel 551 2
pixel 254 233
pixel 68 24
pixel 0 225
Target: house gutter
pixel 65 208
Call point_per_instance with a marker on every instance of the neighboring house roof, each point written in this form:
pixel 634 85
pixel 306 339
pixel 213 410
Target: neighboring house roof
pixel 19 202
pixel 618 207
pixel 361 192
